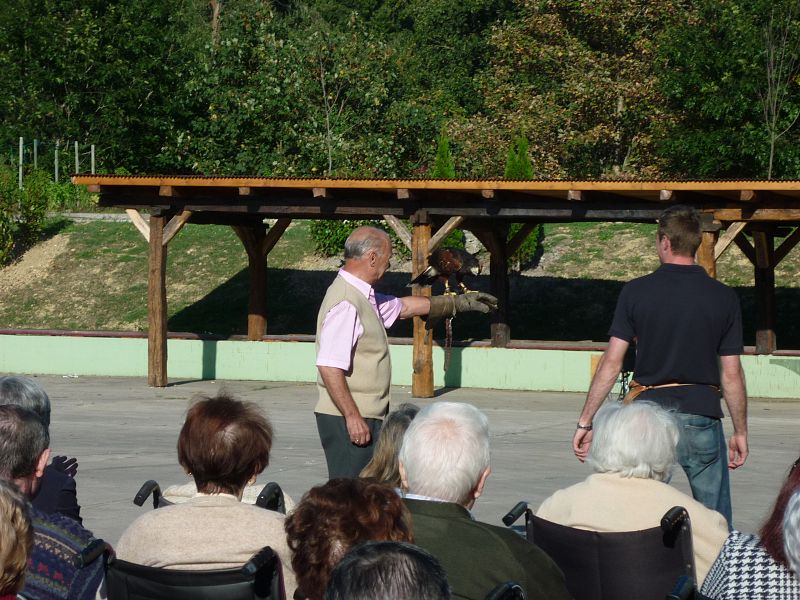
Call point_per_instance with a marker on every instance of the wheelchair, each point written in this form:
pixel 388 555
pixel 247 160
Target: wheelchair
pixel 651 564
pixel 270 497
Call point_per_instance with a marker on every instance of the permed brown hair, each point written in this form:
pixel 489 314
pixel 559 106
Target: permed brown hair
pixel 771 533
pixel 16 538
pixel 332 518
pixel 681 224
pixel 223 443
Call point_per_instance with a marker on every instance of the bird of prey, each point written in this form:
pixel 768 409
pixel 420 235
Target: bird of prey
pixel 444 262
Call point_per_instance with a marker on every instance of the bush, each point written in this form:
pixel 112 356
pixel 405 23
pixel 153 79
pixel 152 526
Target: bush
pixel 33 207
pixel 329 236
pixel 9 198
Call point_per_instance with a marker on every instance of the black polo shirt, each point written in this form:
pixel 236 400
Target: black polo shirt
pixel 682 320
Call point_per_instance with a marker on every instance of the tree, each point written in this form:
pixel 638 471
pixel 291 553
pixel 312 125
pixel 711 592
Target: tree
pixel 443 167
pixel 519 167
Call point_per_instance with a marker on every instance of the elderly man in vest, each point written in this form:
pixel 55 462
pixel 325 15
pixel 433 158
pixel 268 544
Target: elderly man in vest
pixel 353 350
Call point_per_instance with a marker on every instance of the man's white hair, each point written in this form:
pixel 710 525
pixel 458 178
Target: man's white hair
pixel 791 532
pixel 445 451
pixel 634 440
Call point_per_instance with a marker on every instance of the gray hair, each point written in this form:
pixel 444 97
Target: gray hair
pixel 390 571
pixel 445 451
pixel 23 438
pixel 364 239
pixel 26 393
pixel 791 532
pixel 634 440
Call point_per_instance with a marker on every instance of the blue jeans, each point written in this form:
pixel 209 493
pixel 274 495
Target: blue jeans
pixel 703 455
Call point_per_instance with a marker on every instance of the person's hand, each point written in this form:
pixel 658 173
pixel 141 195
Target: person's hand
pixel 475 301
pixel 68 466
pixel 357 430
pixel 737 450
pixel 581 442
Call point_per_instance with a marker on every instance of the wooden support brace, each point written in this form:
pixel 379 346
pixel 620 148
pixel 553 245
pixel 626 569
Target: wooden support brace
pixel 727 238
pixel 400 229
pixel 575 196
pixel 747 195
pixel 763 242
pixel 515 243
pixel 252 238
pixel 746 248
pixel 786 246
pixel 168 191
pixel 175 224
pixel 444 231
pixel 404 194
pixel 273 235
pixel 321 193
pixel 139 222
pixel 705 253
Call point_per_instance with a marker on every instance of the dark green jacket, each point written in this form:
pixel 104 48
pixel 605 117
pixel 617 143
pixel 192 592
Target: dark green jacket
pixel 478 556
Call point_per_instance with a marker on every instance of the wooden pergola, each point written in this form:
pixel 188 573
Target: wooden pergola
pixel 750 214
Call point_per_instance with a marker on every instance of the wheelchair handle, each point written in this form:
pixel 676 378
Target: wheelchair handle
pixel 515 513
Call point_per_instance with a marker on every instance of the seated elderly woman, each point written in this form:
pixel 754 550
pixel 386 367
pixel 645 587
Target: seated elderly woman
pixel 332 518
pixel 16 539
pixel 384 465
pixel 751 566
pixel 633 453
pixel 224 443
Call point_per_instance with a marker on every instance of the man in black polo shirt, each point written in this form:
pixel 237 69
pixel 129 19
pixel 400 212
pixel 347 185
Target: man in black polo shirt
pixel 688 333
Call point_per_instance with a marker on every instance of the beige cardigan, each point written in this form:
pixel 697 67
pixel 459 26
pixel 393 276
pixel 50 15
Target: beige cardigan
pixel 610 502
pixel 206 532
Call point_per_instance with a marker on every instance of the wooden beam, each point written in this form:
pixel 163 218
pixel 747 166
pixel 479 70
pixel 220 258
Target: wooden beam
pixel 157 305
pixel 320 192
pixel 403 194
pixel 575 196
pixel 765 292
pixel 746 248
pixel 274 234
pixel 253 240
pixel 445 230
pixel 93 189
pixel 757 214
pixel 488 194
pixel 494 241
pixel 705 253
pixel 139 222
pixel 245 191
pixel 519 238
pixel 422 376
pixel 747 195
pixel 786 246
pixel 726 238
pixel 168 191
pixel 175 224
pixel 400 229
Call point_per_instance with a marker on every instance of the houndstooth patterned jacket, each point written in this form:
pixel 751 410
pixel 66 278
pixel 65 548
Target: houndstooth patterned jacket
pixel 744 571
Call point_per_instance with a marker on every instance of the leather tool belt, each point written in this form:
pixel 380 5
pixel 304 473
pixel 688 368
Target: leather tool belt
pixel 637 388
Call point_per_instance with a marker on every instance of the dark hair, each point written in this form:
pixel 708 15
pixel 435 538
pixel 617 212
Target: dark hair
pixel 681 224
pixel 27 393
pixel 384 465
pixel 23 438
pixel 332 518
pixel 390 571
pixel 771 533
pixel 223 443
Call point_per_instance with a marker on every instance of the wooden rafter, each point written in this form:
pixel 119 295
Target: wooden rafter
pixel 274 234
pixel 445 230
pixel 787 245
pixel 175 224
pixel 400 229
pixel 515 243
pixel 726 238
pixel 138 221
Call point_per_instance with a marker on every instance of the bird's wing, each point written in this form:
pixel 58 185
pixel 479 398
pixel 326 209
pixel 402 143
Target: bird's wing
pixel 427 277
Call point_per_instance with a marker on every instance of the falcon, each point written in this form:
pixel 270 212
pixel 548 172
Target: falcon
pixel 444 262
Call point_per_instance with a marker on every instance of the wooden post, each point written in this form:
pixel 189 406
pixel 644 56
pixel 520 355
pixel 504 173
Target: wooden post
pixel 498 278
pixel 765 292
pixel 705 253
pixel 253 239
pixel 422 378
pixel 157 304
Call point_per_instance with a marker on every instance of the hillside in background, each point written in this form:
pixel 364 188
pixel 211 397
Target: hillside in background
pixel 93 276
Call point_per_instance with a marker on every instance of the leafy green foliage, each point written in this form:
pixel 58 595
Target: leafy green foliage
pixel 443 167
pixel 329 236
pixel 519 167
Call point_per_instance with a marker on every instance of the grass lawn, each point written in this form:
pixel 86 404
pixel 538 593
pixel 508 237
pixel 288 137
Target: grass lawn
pixel 93 276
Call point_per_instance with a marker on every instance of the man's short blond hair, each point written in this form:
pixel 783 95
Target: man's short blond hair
pixel 16 538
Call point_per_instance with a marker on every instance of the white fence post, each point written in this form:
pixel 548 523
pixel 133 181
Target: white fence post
pixel 92 159
pixel 77 166
pixel 55 163
pixel 35 153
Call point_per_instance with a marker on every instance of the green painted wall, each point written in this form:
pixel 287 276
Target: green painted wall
pixel 499 368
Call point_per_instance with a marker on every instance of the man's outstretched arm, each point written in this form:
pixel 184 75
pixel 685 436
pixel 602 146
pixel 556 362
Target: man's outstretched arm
pixel 735 394
pixel 602 382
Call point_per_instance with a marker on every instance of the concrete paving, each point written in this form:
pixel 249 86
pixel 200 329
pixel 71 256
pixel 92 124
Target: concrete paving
pixel 124 432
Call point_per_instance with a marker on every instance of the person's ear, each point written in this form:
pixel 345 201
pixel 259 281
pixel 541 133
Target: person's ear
pixel 403 478
pixel 476 493
pixel 41 463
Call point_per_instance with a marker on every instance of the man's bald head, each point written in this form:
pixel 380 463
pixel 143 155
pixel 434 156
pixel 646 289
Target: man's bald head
pixel 362 240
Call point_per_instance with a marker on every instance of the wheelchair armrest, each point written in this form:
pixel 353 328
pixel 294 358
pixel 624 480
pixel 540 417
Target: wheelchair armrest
pixel 260 559
pixel 148 487
pixel 92 552
pixel 515 513
pixel 673 519
pixel 271 498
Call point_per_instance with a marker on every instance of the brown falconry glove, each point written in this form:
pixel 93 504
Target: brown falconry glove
pixel 448 305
